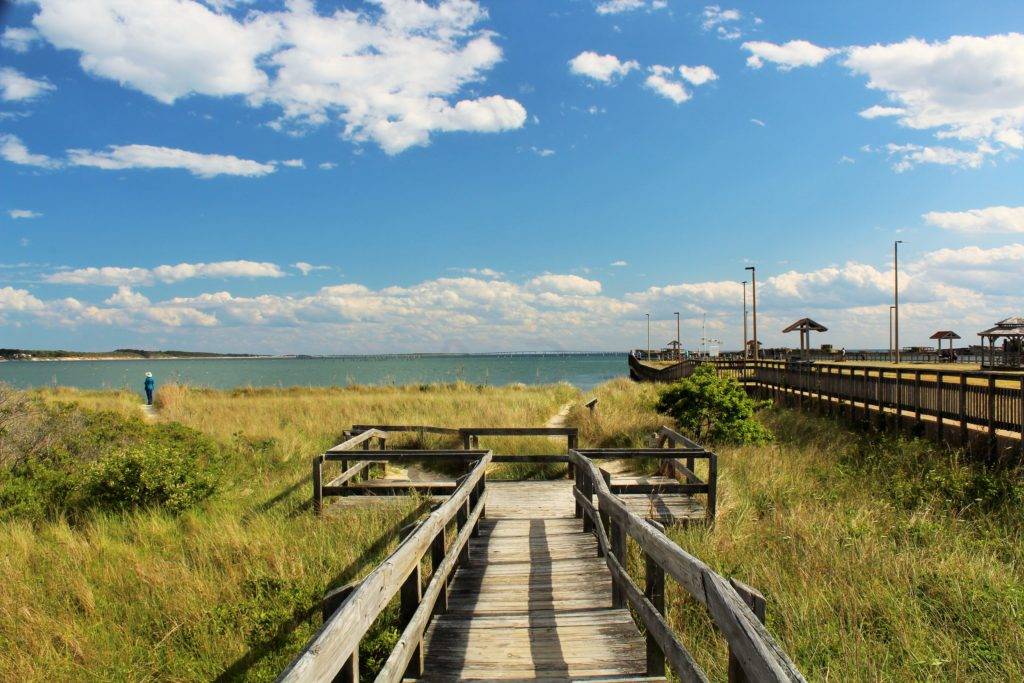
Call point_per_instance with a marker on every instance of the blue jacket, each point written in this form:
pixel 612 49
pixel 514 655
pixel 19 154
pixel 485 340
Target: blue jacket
pixel 150 383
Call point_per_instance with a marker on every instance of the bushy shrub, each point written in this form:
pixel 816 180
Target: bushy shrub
pixel 713 409
pixel 147 475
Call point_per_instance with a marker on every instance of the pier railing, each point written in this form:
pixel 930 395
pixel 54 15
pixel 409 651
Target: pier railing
pixel 736 610
pixel 333 654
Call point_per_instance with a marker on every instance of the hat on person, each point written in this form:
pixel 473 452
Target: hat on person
pixel 149 374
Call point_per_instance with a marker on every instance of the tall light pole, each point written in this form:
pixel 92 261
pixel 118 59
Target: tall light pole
pixel 745 320
pixel 679 345
pixel 753 294
pixel 648 336
pixel 896 297
pixel 891 309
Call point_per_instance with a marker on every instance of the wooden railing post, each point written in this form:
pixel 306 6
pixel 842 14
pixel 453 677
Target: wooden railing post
pixel 437 552
pixel 939 404
pixel 461 517
pixel 572 443
pixel 618 543
pixel 963 410
pixel 993 444
pixel 318 484
pixel 756 602
pixel 411 594
pixel 1020 418
pixel 712 488
pixel 654 590
pixel 332 601
pixel 578 508
pixel 588 493
pixel 917 396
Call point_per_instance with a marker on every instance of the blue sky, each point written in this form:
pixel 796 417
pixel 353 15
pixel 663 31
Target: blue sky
pixel 502 176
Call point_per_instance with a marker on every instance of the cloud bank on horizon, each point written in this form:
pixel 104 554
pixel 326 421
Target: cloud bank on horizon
pixel 454 105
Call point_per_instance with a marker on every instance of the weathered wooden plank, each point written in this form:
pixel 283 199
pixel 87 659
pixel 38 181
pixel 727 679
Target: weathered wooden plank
pixel 519 431
pixel 349 444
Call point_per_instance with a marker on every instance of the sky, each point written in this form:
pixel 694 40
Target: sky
pixel 300 176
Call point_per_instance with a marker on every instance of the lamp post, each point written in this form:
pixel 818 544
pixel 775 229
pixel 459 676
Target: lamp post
pixel 745 320
pixel 891 309
pixel 679 345
pixel 753 296
pixel 896 297
pixel 648 336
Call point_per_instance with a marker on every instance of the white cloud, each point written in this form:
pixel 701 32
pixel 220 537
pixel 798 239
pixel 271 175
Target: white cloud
pixel 23 213
pixel 12 299
pixel 294 163
pixel 391 72
pixel 758 122
pixel 543 151
pixel 14 150
pixel 18 38
pixel 327 166
pixel 619 264
pixel 307 268
pixel 795 53
pixel 878 111
pixel 113 275
pixel 967 87
pixel 660 81
pixel 847 160
pixel 565 284
pixel 722 21
pixel 907 156
pixel 17 87
pixel 126 298
pixel 604 68
pixel 697 75
pixel 620 6
pixel 119 157
pixel 994 219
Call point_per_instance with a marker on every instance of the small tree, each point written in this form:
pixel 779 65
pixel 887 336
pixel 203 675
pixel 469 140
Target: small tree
pixel 713 408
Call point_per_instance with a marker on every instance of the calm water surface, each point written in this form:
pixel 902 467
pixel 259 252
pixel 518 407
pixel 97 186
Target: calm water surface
pixel 582 370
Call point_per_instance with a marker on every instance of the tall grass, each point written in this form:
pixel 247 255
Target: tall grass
pixel 229 590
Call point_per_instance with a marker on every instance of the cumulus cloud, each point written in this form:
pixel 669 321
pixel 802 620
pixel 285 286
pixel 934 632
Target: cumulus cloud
pixel 697 75
pixel 619 264
pixel 307 268
pixel 603 68
pixel 14 150
pixel 120 157
pixel 294 163
pixel 993 219
pixel 722 21
pixel 787 56
pixel 565 284
pixel 17 214
pixel 113 275
pixel 18 38
pixel 17 87
pixel 392 72
pixel 620 6
pixel 660 80
pixel 907 156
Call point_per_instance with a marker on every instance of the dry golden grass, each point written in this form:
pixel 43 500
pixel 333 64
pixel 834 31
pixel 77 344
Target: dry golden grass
pixel 230 589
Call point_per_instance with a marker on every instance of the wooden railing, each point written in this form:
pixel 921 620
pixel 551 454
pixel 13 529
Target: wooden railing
pixel 682 467
pixel 333 654
pixel 342 454
pixel 470 436
pixel 736 610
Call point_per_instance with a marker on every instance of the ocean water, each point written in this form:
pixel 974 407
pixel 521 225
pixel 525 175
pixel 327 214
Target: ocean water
pixel 582 370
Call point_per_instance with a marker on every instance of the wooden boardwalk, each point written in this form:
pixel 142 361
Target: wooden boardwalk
pixel 534 599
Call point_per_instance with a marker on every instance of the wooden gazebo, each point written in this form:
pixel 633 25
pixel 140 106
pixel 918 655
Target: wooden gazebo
pixel 943 335
pixel 675 348
pixel 1011 331
pixel 805 326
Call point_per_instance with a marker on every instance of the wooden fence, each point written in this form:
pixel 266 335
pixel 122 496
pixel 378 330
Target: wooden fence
pixel 736 610
pixel 333 654
pixel 956 403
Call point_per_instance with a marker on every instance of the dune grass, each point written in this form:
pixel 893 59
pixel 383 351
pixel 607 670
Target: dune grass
pixel 881 558
pixel 229 590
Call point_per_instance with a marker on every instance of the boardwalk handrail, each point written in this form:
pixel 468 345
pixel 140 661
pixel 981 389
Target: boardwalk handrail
pixel 336 645
pixel 757 654
pixel 337 454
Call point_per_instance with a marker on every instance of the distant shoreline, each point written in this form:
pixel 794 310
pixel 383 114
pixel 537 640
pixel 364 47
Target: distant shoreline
pixel 368 356
pixel 129 358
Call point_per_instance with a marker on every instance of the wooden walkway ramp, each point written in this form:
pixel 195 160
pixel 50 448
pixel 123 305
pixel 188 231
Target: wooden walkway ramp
pixel 534 599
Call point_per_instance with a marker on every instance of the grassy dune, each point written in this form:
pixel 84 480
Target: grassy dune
pixel 230 589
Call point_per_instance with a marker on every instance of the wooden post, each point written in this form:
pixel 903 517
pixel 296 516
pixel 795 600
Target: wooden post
pixel 917 396
pixel 963 410
pixel 1020 420
pixel 938 406
pixel 588 493
pixel 756 602
pixel 572 445
pixel 461 517
pixel 992 441
pixel 318 487
pixel 654 590
pixel 437 552
pixel 710 508
pixel 466 441
pixel 618 543
pixel 578 509
pixel 332 601
pixel 411 594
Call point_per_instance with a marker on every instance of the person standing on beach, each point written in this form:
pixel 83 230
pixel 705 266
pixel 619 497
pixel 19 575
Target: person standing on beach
pixel 149 384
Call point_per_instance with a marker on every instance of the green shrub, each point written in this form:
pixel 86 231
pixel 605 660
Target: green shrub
pixel 713 408
pixel 147 475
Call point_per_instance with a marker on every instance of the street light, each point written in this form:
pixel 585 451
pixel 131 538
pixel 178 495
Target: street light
pixel 753 293
pixel 679 345
pixel 744 320
pixel 896 297
pixel 891 309
pixel 648 336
